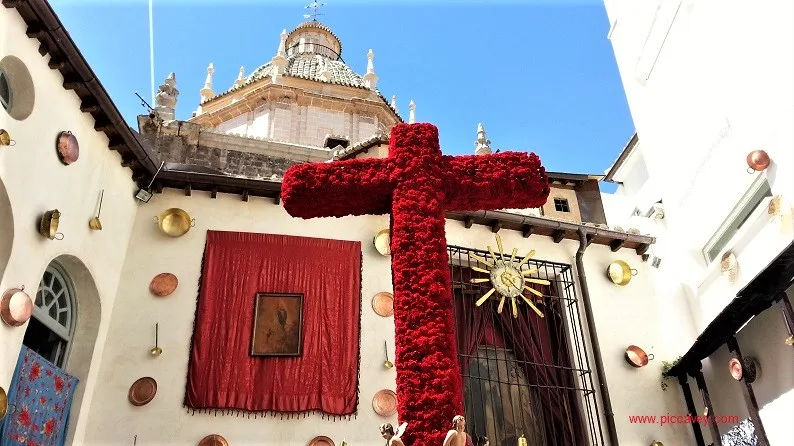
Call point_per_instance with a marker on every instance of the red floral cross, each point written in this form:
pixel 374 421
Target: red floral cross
pixel 417 185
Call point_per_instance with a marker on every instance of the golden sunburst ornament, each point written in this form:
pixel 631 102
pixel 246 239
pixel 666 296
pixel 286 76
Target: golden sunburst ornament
pixel 507 278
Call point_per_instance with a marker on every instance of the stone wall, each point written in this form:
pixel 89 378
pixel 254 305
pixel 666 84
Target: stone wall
pixel 184 143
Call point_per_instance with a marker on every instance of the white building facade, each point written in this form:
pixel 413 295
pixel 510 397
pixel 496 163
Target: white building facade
pixel 708 83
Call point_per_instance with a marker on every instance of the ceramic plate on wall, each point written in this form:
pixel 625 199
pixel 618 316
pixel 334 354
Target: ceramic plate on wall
pixel 385 403
pixel 383 304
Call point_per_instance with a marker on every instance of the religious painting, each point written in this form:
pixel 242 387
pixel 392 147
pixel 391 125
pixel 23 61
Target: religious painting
pixel 278 320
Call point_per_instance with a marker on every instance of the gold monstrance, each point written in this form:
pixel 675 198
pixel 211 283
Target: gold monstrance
pixel 507 278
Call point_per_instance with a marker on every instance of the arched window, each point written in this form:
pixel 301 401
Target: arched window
pixel 51 328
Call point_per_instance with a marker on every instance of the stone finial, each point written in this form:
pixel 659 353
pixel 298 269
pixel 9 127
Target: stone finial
pixel 282 46
pixel 394 104
pixel 412 112
pixel 240 81
pixel 280 59
pixel 165 100
pixel 482 146
pixel 206 92
pixel 370 79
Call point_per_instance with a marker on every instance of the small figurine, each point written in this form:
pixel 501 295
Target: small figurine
pixel 457 435
pixel 392 438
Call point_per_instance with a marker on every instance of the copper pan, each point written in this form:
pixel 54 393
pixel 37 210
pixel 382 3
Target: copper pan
pixel 757 160
pixel 16 307
pixel 637 356
pixel 48 227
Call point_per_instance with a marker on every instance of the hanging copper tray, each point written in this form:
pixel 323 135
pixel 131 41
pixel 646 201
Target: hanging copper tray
pixel 383 304
pixel 68 148
pixel 385 403
pixel 213 440
pixel 735 367
pixel 322 440
pixel 16 307
pixel 163 284
pixel 142 391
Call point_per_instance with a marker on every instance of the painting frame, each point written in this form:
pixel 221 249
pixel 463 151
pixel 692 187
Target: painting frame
pixel 284 324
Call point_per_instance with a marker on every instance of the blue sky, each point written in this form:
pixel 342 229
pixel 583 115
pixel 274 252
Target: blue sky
pixel 540 75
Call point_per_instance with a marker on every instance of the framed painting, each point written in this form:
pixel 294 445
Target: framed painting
pixel 278 324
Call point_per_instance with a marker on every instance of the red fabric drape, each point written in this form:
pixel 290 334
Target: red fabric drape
pixel 221 372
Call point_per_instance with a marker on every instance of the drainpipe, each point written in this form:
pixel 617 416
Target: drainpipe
pixel 588 313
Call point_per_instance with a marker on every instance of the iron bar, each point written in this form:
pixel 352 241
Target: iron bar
pixel 691 411
pixel 704 393
pixel 500 400
pixel 749 396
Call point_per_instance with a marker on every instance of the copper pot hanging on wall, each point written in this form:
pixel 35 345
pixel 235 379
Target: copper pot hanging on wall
pixel 637 356
pixel 48 226
pixel 757 160
pixel 16 307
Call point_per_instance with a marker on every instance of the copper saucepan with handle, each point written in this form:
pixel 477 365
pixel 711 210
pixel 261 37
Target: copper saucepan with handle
pixel 637 356
pixel 16 307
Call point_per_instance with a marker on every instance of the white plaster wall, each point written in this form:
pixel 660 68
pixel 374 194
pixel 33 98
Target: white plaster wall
pixel 707 82
pixel 36 181
pixel 164 419
pixel 713 96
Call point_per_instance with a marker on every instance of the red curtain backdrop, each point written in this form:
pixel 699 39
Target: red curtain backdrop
pixel 236 266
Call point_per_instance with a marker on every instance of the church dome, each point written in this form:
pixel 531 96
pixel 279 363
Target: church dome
pixel 313 52
pixel 315 67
